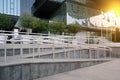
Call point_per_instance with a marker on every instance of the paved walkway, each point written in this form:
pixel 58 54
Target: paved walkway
pixel 106 71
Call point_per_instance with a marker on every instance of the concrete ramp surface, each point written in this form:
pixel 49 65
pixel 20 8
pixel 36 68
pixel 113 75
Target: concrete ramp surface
pixel 106 71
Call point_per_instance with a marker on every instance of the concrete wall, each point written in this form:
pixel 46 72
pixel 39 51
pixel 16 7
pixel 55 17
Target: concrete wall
pixel 32 71
pixel 116 52
pixel 78 54
pixel 84 53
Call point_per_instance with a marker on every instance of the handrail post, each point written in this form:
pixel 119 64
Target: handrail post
pixel 97 52
pixel 29 49
pixel 33 54
pixel 110 53
pixel 53 51
pixel 80 51
pixel 104 52
pixel 64 51
pixel 68 53
pixel 21 49
pixel 75 51
pixel 90 53
pixel 5 52
pixel 39 49
pixel 13 46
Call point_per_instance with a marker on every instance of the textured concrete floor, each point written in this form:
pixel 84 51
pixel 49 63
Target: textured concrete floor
pixel 106 71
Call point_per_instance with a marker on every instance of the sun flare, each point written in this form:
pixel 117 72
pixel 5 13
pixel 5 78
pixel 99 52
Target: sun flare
pixel 115 7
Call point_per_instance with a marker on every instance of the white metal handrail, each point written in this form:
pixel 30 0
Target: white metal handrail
pixel 66 43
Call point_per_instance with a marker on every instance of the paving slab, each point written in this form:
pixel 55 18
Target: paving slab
pixel 105 71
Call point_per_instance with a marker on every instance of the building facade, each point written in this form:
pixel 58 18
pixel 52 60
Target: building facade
pixel 25 6
pixel 16 7
pixel 76 11
pixel 10 7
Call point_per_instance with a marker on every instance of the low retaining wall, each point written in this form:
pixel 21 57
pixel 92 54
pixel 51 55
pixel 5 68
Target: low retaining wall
pixel 31 71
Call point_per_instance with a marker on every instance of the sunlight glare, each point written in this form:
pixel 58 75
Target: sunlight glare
pixel 115 7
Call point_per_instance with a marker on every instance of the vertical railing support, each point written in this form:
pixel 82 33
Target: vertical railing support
pixel 33 53
pixel 80 52
pixel 5 54
pixel 90 53
pixel 53 50
pixel 104 52
pixel 13 45
pixel 39 51
pixel 97 52
pixel 110 53
pixel 64 50
pixel 21 49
